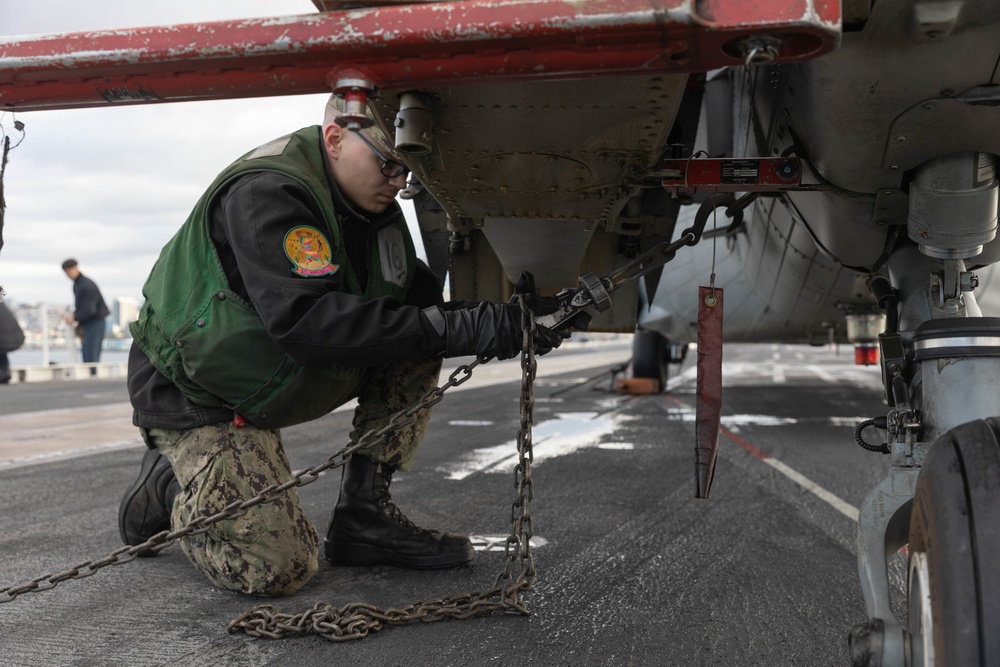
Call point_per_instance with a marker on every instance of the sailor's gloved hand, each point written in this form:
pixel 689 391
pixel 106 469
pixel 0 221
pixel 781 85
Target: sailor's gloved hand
pixel 579 322
pixel 491 329
pixel 487 329
pixel 458 305
pixel 545 339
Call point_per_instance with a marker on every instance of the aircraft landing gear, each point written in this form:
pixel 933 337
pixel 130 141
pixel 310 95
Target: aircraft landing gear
pixel 942 499
pixel 954 577
pixel 953 606
pixel 651 354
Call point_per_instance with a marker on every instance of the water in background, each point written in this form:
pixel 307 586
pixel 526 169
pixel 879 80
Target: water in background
pixel 33 357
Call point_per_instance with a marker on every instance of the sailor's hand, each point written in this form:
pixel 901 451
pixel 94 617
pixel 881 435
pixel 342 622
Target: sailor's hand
pixel 546 339
pixel 486 329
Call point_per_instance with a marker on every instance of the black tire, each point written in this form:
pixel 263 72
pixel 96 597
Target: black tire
pixel 955 531
pixel 649 357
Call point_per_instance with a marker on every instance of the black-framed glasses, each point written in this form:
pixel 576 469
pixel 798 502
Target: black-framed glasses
pixel 390 168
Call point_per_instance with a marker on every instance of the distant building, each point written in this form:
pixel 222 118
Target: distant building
pixel 124 310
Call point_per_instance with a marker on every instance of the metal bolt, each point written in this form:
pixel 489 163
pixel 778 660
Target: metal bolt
pixel 760 50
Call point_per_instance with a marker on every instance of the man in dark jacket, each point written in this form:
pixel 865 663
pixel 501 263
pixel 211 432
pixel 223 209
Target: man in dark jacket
pixel 90 313
pixel 292 288
pixel 11 338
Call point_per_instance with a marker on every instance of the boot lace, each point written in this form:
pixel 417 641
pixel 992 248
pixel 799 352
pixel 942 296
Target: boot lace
pixel 384 501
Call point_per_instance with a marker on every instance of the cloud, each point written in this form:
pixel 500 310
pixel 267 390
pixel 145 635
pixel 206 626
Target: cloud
pixel 110 186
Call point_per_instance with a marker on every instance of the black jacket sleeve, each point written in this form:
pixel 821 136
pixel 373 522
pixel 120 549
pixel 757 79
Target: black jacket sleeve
pixel 310 318
pixel 89 302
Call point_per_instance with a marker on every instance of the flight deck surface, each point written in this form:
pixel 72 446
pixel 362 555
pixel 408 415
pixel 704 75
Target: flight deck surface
pixel 632 569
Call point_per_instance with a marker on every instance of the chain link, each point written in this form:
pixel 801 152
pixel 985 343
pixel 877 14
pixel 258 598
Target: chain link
pixel 358 619
pixel 164 539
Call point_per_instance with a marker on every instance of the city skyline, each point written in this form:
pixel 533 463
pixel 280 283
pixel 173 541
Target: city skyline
pixel 35 318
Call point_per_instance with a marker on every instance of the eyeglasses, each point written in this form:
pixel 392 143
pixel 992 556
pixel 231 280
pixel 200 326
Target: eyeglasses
pixel 390 168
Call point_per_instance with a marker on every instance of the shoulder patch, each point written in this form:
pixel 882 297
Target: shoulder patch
pixel 309 252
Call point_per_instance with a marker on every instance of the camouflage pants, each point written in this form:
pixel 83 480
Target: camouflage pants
pixel 384 392
pixel 274 548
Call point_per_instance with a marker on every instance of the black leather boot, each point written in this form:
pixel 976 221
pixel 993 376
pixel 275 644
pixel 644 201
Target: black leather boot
pixel 368 529
pixel 145 508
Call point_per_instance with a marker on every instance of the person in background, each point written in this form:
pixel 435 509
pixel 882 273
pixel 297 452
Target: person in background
pixel 11 338
pixel 90 313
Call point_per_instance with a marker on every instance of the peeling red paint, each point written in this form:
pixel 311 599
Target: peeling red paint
pixel 403 45
pixel 727 12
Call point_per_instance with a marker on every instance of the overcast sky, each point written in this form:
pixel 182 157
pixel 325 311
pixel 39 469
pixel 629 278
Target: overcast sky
pixel 109 187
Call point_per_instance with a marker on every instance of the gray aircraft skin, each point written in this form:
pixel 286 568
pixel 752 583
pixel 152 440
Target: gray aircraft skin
pixel 540 145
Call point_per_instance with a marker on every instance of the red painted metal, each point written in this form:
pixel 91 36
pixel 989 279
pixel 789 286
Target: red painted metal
pixel 399 47
pixel 865 355
pixel 728 12
pixel 732 174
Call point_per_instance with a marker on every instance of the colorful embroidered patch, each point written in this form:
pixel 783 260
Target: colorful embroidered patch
pixel 309 252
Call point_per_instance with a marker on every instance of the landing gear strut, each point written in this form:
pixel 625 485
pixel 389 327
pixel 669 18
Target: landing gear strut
pixel 942 494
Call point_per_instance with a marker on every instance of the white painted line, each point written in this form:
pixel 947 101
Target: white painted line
pixel 499 542
pixel 63 454
pixel 689 374
pixel 821 373
pixel 839 504
pixel 567 433
pixel 842 506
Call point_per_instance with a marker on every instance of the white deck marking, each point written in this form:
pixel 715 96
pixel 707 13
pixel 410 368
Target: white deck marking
pixel 40 436
pixel 620 446
pixel 847 374
pixel 567 433
pixel 59 455
pixel 499 542
pixel 842 506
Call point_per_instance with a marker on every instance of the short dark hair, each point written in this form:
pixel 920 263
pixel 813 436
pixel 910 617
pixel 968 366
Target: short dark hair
pixel 68 264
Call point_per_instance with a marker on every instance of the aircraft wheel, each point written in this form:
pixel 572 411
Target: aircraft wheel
pixel 953 594
pixel 649 356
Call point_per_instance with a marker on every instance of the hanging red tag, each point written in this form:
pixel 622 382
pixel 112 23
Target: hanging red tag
pixel 709 407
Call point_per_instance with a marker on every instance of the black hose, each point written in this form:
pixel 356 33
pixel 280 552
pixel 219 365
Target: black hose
pixel 887 298
pixel 877 422
pixel 890 245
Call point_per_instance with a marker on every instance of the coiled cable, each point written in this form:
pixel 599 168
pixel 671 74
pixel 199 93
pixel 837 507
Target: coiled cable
pixel 877 422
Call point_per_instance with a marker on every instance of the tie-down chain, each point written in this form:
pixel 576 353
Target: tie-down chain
pixel 356 620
